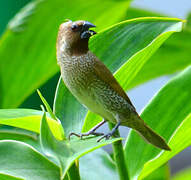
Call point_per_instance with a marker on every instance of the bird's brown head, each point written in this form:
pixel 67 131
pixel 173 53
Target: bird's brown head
pixel 73 37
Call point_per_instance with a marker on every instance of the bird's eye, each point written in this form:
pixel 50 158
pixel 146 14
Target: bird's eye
pixel 74 27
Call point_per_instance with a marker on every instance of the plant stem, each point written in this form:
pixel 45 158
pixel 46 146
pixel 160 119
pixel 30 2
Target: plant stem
pixel 119 156
pixel 73 172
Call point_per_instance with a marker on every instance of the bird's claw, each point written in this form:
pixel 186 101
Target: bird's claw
pixel 81 135
pixel 106 136
pixel 74 134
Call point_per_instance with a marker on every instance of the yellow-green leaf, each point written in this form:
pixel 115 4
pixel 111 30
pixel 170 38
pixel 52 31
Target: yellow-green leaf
pixel 28 119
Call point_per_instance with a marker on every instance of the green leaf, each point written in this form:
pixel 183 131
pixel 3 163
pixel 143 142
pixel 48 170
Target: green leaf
pixel 136 40
pixel 98 158
pixel 66 152
pixel 183 174
pixel 73 172
pixel 180 140
pixel 22 161
pixel 130 37
pixel 174 55
pixel 32 35
pixel 162 173
pixel 70 112
pixel 7 177
pixel 48 108
pixel 165 114
pixel 28 119
pixel 47 140
pixel 18 136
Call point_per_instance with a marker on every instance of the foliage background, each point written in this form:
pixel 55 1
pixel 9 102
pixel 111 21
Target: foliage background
pixel 9 7
pixel 179 9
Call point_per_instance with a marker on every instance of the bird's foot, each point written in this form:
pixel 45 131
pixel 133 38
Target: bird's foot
pixel 81 135
pixel 106 136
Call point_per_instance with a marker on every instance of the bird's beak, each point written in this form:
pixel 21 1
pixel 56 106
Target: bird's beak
pixel 86 33
pixel 87 25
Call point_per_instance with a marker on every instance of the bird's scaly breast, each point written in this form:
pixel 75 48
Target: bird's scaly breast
pixel 77 73
pixel 80 78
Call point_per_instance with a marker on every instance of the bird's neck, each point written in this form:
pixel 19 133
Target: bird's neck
pixel 79 48
pixel 65 51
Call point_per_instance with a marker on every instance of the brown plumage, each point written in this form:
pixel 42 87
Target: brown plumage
pixel 91 82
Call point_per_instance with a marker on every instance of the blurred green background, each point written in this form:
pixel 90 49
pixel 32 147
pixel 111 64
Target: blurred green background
pixel 8 8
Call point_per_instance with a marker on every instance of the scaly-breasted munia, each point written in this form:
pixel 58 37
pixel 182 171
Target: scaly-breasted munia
pixel 94 86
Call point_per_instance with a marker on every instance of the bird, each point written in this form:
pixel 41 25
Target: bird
pixel 94 86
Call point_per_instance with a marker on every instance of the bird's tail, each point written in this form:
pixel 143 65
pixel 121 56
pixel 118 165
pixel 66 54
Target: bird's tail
pixel 152 137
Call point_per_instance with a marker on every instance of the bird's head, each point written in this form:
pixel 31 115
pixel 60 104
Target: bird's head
pixel 73 37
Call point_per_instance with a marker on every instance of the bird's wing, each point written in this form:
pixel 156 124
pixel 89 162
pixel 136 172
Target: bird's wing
pixel 104 74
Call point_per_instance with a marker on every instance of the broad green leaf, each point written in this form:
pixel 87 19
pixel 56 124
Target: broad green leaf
pixel 180 140
pixel 184 174
pixel 18 136
pixel 7 177
pixel 136 40
pixel 70 112
pixel 130 37
pixel 162 173
pixel 165 114
pixel 21 160
pixel 171 57
pixel 48 108
pixel 78 148
pixel 32 35
pixel 28 119
pixel 174 55
pixel 66 152
pixel 47 140
pixel 98 158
